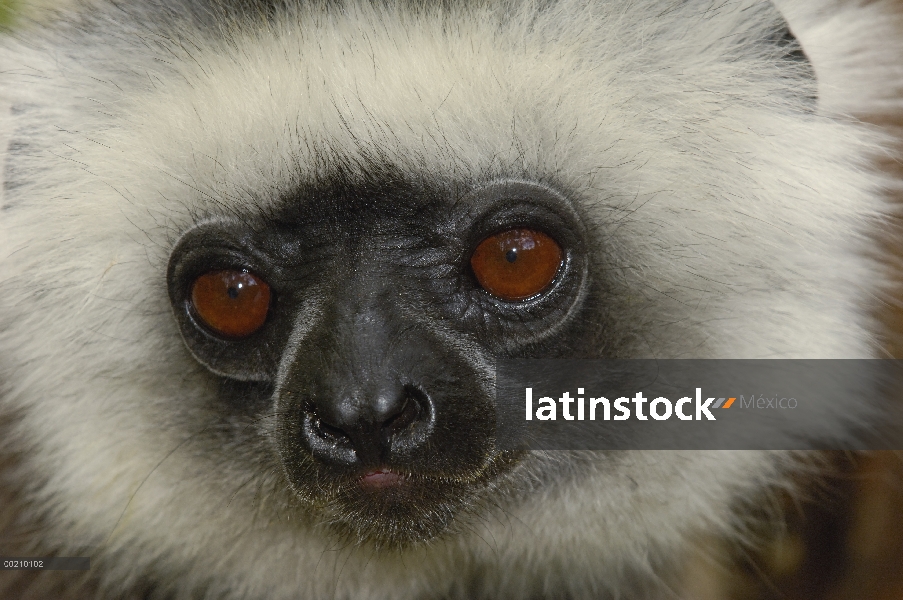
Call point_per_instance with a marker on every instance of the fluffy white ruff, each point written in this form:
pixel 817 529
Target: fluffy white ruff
pixel 737 212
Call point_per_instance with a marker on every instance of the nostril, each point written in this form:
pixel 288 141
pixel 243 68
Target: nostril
pixel 413 419
pixel 407 416
pixel 327 441
pixel 327 431
pixel 368 434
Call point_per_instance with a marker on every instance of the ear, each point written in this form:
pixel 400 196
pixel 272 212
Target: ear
pixel 796 58
pixel 855 48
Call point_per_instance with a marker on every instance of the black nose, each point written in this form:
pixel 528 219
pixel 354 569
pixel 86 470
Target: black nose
pixel 384 428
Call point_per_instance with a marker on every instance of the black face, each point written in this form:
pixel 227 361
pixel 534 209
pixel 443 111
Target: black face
pixel 371 316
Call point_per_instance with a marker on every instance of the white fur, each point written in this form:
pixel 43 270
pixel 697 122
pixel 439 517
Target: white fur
pixel 742 223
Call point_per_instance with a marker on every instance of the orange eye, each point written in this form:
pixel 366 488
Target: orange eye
pixel 516 264
pixel 231 303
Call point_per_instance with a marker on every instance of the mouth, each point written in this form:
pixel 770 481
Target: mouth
pixel 389 507
pixel 380 479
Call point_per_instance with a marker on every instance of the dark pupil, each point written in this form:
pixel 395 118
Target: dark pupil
pixel 511 255
pixel 233 292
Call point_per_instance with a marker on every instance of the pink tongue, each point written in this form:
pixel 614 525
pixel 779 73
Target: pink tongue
pixel 380 479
